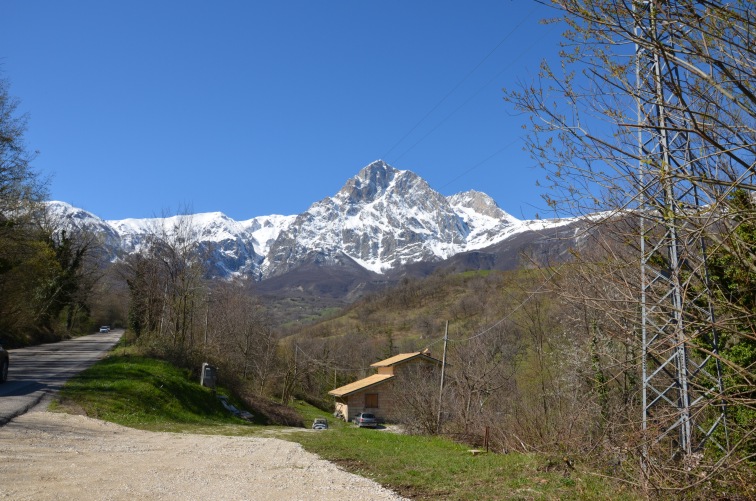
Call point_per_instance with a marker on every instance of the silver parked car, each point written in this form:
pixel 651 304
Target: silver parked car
pixel 365 420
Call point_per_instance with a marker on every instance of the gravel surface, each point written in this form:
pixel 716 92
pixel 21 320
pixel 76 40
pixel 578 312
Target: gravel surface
pixel 46 456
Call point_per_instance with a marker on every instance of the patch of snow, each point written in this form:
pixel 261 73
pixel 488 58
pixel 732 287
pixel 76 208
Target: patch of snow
pixel 264 230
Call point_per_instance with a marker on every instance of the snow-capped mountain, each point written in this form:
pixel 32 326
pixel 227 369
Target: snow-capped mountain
pixel 382 219
pixel 230 247
pixel 72 219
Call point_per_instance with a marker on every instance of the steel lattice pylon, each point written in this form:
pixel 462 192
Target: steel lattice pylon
pixel 681 384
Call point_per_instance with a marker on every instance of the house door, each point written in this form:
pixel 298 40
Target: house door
pixel 371 400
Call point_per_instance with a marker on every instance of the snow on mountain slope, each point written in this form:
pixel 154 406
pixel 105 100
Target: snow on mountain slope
pixel 487 222
pixel 384 218
pixel 381 219
pixel 235 247
pixel 64 215
pixel 265 229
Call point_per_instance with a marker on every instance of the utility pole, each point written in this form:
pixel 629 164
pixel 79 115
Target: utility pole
pixel 207 315
pixel 443 368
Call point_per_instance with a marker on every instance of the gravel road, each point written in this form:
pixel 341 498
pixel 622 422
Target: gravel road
pixel 52 456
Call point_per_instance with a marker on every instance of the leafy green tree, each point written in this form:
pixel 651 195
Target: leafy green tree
pixel 24 260
pixel 67 294
pixel 46 274
pixel 734 284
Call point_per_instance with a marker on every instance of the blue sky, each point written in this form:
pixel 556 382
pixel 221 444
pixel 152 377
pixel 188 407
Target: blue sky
pixel 143 108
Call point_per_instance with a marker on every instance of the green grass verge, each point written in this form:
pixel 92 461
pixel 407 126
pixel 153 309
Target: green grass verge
pixel 436 468
pixel 147 394
pixel 153 395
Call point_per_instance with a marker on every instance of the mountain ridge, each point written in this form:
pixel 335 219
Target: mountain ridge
pixel 382 219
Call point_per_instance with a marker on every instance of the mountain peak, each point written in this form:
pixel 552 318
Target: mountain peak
pixel 370 182
pixel 478 202
pixel 375 168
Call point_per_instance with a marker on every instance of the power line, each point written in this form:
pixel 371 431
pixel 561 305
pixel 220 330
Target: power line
pixel 512 312
pixel 530 296
pixel 470 169
pixel 480 89
pixel 458 85
pixel 327 365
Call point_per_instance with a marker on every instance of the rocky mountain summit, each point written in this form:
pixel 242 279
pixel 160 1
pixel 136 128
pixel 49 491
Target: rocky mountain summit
pixel 381 220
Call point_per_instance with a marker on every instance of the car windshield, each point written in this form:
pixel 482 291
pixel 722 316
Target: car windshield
pixel 368 416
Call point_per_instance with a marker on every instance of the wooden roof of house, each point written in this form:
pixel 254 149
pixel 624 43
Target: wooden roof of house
pixel 403 357
pixel 360 385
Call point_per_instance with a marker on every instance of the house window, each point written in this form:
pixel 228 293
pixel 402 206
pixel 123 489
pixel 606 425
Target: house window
pixel 371 400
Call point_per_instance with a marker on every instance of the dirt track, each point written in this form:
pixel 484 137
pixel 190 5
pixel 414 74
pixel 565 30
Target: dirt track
pixel 45 456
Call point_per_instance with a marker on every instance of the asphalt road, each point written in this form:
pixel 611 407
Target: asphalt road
pixel 37 372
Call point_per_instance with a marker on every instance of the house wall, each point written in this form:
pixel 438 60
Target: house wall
pixel 402 370
pixel 355 403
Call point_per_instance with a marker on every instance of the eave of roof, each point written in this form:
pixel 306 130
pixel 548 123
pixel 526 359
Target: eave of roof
pixel 403 357
pixel 360 385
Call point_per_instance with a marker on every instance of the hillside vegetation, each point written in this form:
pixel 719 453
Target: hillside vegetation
pixel 534 356
pixel 412 316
